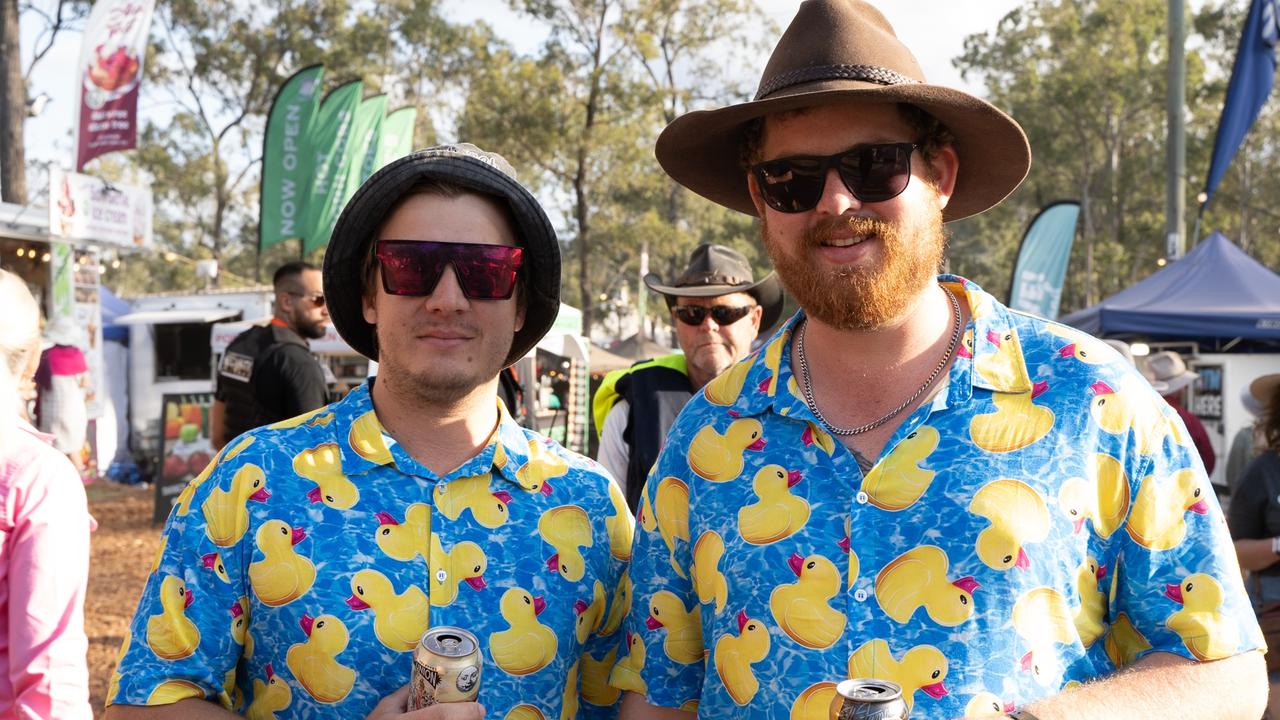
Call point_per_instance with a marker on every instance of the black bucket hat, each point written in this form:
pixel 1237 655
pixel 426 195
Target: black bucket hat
pixel 716 270
pixel 470 167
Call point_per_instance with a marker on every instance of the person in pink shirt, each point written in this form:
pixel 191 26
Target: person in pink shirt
pixel 44 541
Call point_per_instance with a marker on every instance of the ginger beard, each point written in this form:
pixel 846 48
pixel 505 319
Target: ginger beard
pixel 863 298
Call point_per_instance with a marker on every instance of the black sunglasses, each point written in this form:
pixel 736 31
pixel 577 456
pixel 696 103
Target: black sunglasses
pixel 722 314
pixel 873 173
pixel 316 298
pixel 484 272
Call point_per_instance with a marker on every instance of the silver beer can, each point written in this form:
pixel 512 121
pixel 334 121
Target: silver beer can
pixel 868 699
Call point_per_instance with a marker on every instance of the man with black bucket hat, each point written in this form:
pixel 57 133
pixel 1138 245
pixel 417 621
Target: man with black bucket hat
pixel 300 570
pixel 717 308
pixel 990 514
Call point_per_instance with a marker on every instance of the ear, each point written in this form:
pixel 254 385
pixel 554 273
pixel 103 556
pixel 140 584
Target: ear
pixel 946 167
pixel 519 318
pixel 755 194
pixel 757 313
pixel 369 305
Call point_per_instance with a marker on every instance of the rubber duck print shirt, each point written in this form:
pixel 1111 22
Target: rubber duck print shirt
pixel 301 568
pixel 1042 521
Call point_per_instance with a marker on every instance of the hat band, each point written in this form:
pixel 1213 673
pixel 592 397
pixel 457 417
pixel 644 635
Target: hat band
pixel 693 280
pixel 864 73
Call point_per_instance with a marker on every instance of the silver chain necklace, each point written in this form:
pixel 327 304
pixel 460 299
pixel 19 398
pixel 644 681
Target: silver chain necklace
pixel 807 383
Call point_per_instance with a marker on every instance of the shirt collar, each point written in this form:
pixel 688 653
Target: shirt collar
pixel 366 445
pixel 989 356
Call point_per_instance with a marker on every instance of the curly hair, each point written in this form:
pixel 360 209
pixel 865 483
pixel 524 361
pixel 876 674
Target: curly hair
pixel 1269 423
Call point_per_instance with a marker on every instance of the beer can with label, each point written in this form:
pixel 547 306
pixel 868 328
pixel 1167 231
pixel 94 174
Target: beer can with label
pixel 865 699
pixel 446 668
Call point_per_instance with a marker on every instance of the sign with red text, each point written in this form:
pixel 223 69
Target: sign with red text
pixel 108 77
pixel 83 207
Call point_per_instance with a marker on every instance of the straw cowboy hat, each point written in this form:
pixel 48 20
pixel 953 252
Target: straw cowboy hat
pixel 1168 368
pixel 716 270
pixel 838 51
pixel 63 331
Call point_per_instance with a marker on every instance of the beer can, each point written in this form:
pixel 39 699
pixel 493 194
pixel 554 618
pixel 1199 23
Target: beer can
pixel 446 668
pixel 868 699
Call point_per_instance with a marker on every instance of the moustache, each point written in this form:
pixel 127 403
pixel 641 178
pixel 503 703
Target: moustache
pixel 825 229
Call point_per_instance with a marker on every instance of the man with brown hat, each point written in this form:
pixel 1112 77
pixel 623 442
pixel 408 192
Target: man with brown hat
pixel 300 571
pixel 912 483
pixel 718 309
pixel 1169 375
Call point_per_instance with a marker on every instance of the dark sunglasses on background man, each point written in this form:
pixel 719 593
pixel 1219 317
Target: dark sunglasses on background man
pixel 316 299
pixel 412 267
pixel 873 173
pixel 722 314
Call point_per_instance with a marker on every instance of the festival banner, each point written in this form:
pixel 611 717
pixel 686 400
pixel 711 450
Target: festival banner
pixel 330 135
pixel 83 207
pixel 396 139
pixel 362 151
pixel 288 158
pixel 1041 268
pixel 113 49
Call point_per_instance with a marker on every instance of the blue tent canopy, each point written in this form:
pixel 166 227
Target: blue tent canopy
pixel 112 307
pixel 1214 291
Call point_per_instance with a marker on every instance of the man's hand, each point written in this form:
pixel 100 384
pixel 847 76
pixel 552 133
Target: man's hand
pixel 393 706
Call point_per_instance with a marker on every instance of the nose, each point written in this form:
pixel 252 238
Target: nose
pixel 447 295
pixel 836 198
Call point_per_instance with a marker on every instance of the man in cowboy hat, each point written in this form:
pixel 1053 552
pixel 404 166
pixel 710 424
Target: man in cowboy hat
pixel 717 308
pixel 301 569
pixel 914 483
pixel 1169 375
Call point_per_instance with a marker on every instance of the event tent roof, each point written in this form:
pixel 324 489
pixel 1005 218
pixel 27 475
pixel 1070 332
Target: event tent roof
pixel 1215 291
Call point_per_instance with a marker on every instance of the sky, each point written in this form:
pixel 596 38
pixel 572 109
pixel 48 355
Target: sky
pixel 933 29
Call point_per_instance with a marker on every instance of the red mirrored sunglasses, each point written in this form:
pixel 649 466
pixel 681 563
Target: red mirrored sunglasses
pixel 413 267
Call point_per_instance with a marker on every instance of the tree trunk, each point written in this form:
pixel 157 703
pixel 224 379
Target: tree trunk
pixel 13 108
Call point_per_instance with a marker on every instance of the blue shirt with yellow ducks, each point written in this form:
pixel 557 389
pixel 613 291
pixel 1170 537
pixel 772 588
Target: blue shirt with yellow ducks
pixel 299 571
pixel 1043 520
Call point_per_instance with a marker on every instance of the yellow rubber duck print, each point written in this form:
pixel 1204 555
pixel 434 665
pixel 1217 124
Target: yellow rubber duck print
pixel 620 606
pixel 1041 617
pixel 113 683
pixel 619 525
pixel 589 616
pixel 542 467
pixel 465 562
pixel 1206 632
pixel 366 439
pixel 282 575
pixel 407 540
pixel 1124 642
pixel 183 502
pixel 727 386
pixel 1016 423
pixel 314 662
pixel 524 711
pixel 708 581
pixel 986 704
pixel 671 512
pixel 814 435
pixel 802 609
pixel 814 702
pixel 399 619
pixel 322 465
pixel 596 689
pixel 683 643
pixel 1081 347
pixel 1129 408
pixel 855 565
pixel 567 529
pixel 239 620
pixel 171 691
pixel 773 363
pixel 1102 499
pixel 527 645
pixel 303 419
pixel 777 514
pixel 644 517
pixel 923 667
pixel 269 697
pixel 1004 367
pixel 472 493
pixel 1158 518
pixel 918 578
pixel 717 457
pixel 1090 617
pixel 213 561
pixel 170 635
pixel 735 655
pixel 569 698
pixel 226 517
pixel 627 673
pixel 898 481
pixel 1018 516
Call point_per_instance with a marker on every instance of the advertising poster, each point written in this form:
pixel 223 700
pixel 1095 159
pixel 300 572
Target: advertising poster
pixel 83 207
pixel 88 315
pixel 109 75
pixel 185 447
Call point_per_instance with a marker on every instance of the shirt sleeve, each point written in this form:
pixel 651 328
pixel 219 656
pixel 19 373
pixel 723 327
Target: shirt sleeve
pixel 602 649
pixel 661 570
pixel 614 453
pixel 181 634
pixel 1178 581
pixel 48 568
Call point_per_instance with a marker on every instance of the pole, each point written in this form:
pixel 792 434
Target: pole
pixel 642 297
pixel 1175 195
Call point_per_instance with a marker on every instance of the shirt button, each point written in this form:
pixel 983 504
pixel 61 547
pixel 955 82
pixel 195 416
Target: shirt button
pixel 441 576
pixel 862 498
pixel 860 595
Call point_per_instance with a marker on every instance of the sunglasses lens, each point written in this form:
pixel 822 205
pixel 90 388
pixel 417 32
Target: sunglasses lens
pixel 690 314
pixel 484 272
pixel 725 315
pixel 877 172
pixel 792 185
pixel 721 314
pixel 873 173
pixel 318 300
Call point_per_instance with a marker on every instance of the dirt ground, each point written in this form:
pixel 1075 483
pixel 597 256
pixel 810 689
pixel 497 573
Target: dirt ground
pixel 121 553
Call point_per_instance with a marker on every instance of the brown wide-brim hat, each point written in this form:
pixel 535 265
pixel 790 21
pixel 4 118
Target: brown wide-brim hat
pixel 1266 390
pixel 470 167
pixel 839 51
pixel 716 270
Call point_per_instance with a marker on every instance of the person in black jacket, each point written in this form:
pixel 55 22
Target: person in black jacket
pixel 268 372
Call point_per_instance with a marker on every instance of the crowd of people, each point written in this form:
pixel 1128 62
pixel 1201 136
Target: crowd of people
pixel 905 480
